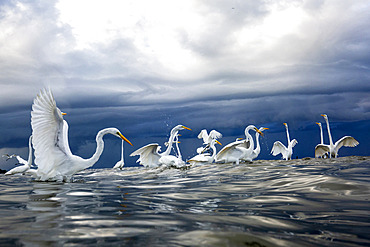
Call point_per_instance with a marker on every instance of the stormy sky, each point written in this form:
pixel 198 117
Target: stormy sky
pixel 145 66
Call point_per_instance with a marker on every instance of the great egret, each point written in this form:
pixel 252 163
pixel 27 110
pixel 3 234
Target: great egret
pixel 326 154
pixel 121 163
pixel 53 156
pixel 238 150
pixel 178 152
pixel 150 156
pixel 347 141
pixel 257 150
pixel 286 152
pixel 206 158
pixel 25 164
pixel 203 135
pixel 207 138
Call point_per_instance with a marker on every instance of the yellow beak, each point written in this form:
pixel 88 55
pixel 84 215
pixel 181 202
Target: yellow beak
pixel 124 138
pixel 63 113
pixel 186 127
pixel 259 131
pixel 218 142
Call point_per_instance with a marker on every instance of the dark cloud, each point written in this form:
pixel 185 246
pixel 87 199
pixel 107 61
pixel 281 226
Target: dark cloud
pixel 224 73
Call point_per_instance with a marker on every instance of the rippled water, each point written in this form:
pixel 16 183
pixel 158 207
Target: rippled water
pixel 309 202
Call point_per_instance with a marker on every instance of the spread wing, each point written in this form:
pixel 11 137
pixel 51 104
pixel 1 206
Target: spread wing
pixel 201 158
pixel 245 144
pixel 321 150
pixel 203 135
pixel 278 148
pixel 149 155
pixel 214 135
pixel 21 160
pixel 294 142
pixel 347 141
pixel 49 141
pixel 225 151
pixel 18 169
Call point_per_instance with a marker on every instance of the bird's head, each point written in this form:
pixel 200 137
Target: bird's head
pixel 263 128
pixel 325 116
pixel 258 131
pixel 178 128
pixel 319 124
pixel 117 133
pixel 218 142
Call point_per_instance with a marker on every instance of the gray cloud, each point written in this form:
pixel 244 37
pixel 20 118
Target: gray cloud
pixel 224 71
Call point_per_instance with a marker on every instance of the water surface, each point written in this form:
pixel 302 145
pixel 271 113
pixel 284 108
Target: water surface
pixel 306 202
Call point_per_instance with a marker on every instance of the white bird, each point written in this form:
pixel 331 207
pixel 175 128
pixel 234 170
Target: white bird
pixel 203 135
pixel 326 154
pixel 207 138
pixel 26 164
pixel 286 152
pixel 257 150
pixel 206 158
pixel 121 163
pixel 150 156
pixel 333 148
pixel 178 152
pixel 238 150
pixel 53 156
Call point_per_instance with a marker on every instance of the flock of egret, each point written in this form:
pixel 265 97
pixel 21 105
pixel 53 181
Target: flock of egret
pixel 55 161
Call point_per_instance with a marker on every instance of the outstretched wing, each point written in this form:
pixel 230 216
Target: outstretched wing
pixel 48 140
pixel 244 144
pixel 214 135
pixel 200 158
pixel 294 142
pixel 149 156
pixel 203 135
pixel 278 148
pixel 347 141
pixel 225 151
pixel 321 150
pixel 18 169
pixel 21 160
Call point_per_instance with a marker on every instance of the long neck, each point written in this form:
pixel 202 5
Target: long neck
pixel 321 135
pixel 258 148
pixel 287 134
pixel 328 127
pixel 30 151
pixel 249 137
pixel 170 142
pixel 177 148
pixel 99 150
pixel 213 149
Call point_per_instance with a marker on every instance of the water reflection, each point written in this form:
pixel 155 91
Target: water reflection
pixel 47 205
pixel 306 202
